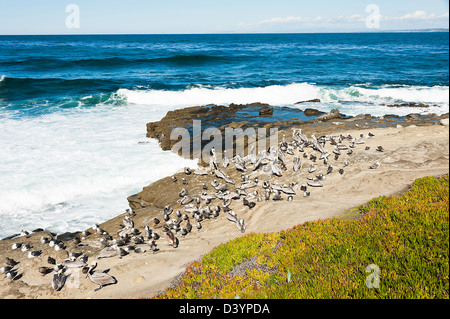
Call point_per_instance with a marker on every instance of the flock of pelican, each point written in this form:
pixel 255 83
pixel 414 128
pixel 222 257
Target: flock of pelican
pixel 302 153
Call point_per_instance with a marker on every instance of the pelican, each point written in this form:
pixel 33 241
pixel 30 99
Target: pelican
pixel 75 262
pixel 232 217
pixel 314 183
pixel 100 278
pixel 148 232
pixel 297 161
pixel 276 169
pixel 58 280
pixel 241 226
pixel 45 270
pixel 312 168
pixel 128 222
pixel 108 252
pixel 11 262
pixel 330 169
pixel 173 241
pixel 226 160
pixel 200 171
pixel 229 179
pixel 186 200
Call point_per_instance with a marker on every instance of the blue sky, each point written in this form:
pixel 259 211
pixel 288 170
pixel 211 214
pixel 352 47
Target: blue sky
pixel 208 16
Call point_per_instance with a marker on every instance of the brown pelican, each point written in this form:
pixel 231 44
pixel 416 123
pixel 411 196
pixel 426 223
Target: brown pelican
pixel 108 252
pixel 201 171
pixel 58 280
pixel 276 169
pixel 312 168
pixel 128 222
pixel 241 226
pixel 173 241
pixel 297 162
pixel 232 217
pixel 100 278
pixel 314 183
pixel 220 174
pixel 75 262
pixel 229 179
pixel 330 169
pixel 45 270
pixel 186 200
pixel 11 262
pixel 183 192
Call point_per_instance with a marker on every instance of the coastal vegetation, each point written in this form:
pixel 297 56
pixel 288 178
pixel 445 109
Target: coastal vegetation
pixel 397 247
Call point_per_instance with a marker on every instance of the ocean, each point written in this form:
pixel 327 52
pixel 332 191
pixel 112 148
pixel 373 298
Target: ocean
pixel 73 108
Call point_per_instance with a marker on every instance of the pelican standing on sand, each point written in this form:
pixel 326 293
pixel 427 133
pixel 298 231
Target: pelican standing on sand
pixel 58 280
pixel 100 278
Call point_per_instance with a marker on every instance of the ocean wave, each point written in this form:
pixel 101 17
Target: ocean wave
pixel 288 95
pixel 111 62
pixel 13 88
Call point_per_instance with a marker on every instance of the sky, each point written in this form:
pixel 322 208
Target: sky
pixel 226 16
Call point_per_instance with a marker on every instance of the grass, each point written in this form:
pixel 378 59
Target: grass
pixel 405 238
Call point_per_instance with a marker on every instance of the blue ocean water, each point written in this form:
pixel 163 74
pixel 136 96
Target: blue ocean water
pixel 73 108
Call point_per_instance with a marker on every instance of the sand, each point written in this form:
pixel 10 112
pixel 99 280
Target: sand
pixel 410 153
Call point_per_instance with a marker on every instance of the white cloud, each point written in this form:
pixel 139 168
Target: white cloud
pixel 355 20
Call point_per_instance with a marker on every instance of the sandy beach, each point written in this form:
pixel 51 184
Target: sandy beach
pixel 409 153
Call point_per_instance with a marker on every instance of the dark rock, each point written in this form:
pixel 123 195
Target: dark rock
pixel 309 101
pixel 334 114
pixel 266 111
pixel 410 104
pixel 312 112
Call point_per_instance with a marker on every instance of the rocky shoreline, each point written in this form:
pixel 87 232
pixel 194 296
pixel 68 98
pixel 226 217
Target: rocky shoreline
pixel 143 274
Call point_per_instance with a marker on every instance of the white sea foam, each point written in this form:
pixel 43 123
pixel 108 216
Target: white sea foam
pixel 2 77
pixel 68 170
pixel 354 99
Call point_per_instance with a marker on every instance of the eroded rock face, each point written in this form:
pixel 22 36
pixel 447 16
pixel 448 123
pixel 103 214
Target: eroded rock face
pixel 334 114
pixel 233 116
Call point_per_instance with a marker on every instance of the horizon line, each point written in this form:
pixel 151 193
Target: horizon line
pixel 428 30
